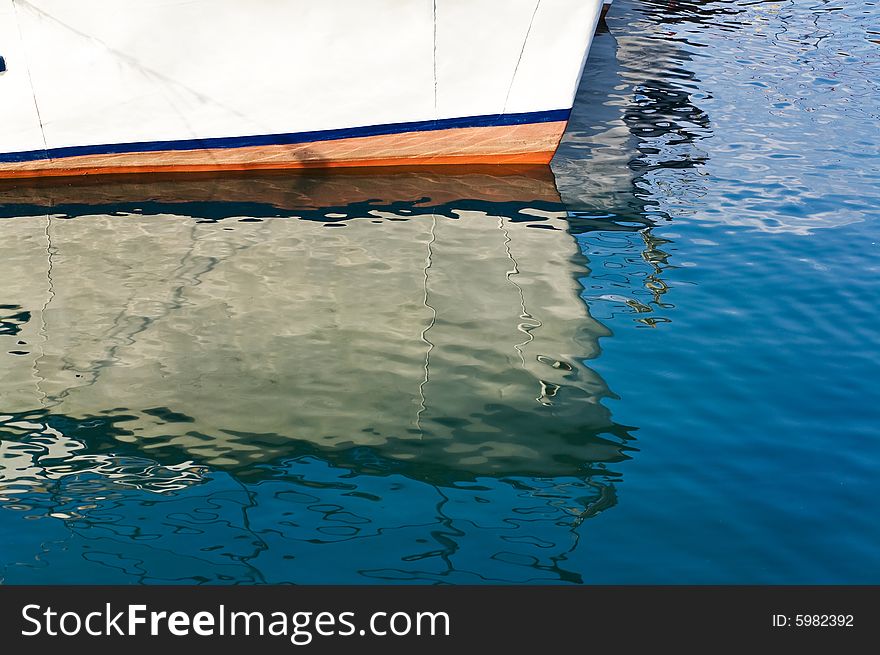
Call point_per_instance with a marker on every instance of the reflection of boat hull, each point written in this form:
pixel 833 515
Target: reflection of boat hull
pixel 414 332
pixel 397 81
pixel 273 194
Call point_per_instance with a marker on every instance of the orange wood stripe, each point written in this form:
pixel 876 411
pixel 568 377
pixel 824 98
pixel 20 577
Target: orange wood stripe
pixel 533 143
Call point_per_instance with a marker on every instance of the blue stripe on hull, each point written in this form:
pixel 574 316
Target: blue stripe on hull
pixel 291 138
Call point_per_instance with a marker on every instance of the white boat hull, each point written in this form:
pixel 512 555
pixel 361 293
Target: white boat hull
pixel 147 85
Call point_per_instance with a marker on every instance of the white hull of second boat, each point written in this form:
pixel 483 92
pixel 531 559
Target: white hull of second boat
pixel 142 85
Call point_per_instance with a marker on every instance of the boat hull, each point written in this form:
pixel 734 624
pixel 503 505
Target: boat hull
pixel 529 143
pixel 221 85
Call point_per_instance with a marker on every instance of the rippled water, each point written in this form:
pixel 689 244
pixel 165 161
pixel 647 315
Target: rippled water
pixel 657 362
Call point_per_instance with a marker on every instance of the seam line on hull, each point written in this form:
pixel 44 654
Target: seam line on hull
pixel 521 52
pixel 27 67
pixel 435 58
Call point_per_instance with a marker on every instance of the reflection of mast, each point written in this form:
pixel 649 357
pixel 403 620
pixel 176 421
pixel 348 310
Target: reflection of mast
pixel 50 294
pixel 433 318
pixel 528 322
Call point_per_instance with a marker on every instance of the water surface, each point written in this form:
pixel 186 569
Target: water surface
pixel 655 362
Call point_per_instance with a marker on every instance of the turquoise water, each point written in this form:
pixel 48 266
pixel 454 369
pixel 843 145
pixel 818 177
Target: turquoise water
pixel 656 363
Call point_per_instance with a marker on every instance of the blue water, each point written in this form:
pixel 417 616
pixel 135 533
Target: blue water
pixel 657 363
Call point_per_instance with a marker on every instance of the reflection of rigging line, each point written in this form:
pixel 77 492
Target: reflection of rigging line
pixel 246 522
pixel 424 335
pixel 524 315
pixel 50 295
pixel 122 336
pixel 452 546
pixel 149 73
pixel 605 499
